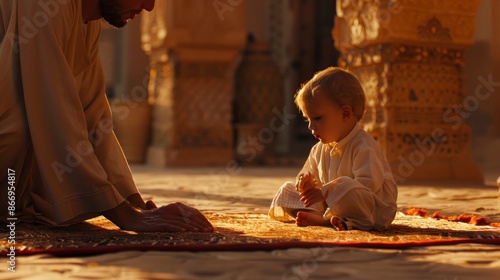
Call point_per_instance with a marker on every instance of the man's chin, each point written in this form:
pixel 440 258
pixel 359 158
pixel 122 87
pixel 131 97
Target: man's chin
pixel 116 22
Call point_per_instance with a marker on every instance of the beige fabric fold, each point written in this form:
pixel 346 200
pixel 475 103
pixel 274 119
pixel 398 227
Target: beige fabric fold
pixel 55 120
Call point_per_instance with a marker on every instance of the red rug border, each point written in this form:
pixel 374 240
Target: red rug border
pixel 89 251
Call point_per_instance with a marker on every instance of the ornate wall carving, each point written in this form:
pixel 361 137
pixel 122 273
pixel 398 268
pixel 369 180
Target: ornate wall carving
pixel 409 56
pixel 373 21
pixel 258 94
pixel 193 54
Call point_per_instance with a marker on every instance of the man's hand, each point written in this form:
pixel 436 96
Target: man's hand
pixel 138 202
pixel 137 215
pixel 176 217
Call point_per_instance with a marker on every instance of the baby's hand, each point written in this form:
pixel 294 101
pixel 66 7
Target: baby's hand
pixel 311 197
pixel 305 182
pixel 302 178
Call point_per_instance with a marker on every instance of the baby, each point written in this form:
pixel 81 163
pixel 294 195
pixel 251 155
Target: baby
pixel 346 182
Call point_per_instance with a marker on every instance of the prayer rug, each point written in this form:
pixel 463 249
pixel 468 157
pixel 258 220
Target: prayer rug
pixel 240 231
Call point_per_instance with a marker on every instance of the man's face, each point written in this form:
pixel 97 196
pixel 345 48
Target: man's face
pixel 119 12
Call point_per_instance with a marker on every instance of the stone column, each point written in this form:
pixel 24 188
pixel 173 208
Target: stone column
pixel 409 56
pixel 194 47
pixel 495 52
pixel 258 100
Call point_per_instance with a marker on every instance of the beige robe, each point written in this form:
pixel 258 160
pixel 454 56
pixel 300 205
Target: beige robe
pixel 55 120
pixel 357 184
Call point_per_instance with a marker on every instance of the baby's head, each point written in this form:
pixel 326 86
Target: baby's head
pixel 337 85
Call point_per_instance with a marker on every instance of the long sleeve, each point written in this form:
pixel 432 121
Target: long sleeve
pixel 368 168
pixel 100 130
pixel 60 105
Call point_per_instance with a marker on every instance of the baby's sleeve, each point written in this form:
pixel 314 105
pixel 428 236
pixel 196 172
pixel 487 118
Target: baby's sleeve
pixel 368 169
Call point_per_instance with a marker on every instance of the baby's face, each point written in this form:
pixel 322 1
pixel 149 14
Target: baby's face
pixel 327 120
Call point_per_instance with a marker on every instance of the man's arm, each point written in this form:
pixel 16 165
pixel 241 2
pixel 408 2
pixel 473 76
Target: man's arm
pixel 52 60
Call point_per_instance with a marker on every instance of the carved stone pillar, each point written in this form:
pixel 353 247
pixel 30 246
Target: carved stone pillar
pixel 495 53
pixel 409 57
pixel 194 46
pixel 258 96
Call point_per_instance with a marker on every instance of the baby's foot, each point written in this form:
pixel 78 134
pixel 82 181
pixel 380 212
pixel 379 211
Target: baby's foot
pixel 338 224
pixel 305 219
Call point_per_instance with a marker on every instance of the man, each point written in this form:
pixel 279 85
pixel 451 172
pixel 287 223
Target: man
pixel 60 161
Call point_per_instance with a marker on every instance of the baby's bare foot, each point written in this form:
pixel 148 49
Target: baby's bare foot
pixel 305 219
pixel 337 223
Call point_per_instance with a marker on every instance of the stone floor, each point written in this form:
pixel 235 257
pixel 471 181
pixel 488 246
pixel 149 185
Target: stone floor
pixel 251 189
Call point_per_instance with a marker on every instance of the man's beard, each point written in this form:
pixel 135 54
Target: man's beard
pixel 109 11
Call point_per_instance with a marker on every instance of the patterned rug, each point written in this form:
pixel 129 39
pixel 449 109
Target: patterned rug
pixel 241 231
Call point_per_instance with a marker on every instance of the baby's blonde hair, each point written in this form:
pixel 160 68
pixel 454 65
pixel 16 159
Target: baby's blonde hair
pixel 338 85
